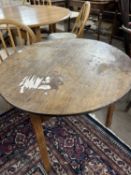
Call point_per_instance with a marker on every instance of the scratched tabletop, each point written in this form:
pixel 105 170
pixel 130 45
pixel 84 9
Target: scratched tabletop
pixel 65 77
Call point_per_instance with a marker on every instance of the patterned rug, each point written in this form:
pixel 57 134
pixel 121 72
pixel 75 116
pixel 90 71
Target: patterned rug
pixel 76 145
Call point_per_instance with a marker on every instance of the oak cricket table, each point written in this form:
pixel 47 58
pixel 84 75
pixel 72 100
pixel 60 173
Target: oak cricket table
pixel 35 15
pixel 64 77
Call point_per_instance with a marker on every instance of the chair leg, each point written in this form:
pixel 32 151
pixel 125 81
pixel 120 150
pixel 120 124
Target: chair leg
pixel 113 27
pixel 52 28
pixel 128 107
pixel 99 25
pixel 109 116
pixel 69 25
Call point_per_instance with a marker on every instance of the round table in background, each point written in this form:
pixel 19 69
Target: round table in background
pixel 64 77
pixel 35 15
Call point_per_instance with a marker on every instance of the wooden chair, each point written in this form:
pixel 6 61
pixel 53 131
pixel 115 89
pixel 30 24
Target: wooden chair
pixel 97 8
pixel 8 44
pixel 74 6
pixel 13 33
pixel 37 2
pixel 78 28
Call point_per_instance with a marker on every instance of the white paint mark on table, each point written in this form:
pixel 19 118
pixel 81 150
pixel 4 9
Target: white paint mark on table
pixel 41 83
pixel 33 82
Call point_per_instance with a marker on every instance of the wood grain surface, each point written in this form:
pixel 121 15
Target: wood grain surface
pixel 65 77
pixel 35 15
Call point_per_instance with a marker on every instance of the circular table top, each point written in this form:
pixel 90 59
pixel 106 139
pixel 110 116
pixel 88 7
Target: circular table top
pixel 65 77
pixel 35 15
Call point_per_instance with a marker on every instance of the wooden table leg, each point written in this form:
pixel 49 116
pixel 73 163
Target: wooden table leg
pixel 99 25
pixel 109 116
pixel 38 33
pixel 37 125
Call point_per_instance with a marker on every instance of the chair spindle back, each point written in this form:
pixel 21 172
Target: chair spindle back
pixel 14 34
pixel 37 2
pixel 81 19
